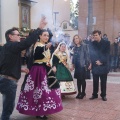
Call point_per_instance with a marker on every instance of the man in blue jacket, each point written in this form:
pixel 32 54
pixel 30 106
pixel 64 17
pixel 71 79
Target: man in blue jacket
pixel 99 51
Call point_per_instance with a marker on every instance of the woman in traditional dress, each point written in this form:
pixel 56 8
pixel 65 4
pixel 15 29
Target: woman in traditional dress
pixel 36 98
pixel 81 62
pixel 61 60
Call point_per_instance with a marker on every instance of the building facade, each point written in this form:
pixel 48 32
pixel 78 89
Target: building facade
pixel 11 12
pixel 106 17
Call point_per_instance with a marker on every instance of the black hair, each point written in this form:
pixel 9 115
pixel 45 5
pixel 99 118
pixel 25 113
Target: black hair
pixel 96 31
pixel 50 34
pixel 42 31
pixel 8 32
pixel 104 35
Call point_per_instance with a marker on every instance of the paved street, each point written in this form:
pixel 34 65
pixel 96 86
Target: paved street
pixel 85 109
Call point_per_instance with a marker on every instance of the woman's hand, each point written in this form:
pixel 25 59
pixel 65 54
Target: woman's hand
pixel 25 70
pixel 54 69
pixel 48 45
pixel 90 67
pixel 72 68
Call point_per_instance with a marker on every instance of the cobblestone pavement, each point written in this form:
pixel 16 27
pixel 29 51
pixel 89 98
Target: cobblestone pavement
pixel 85 109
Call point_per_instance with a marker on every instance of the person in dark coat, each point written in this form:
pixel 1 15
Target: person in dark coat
pixel 81 62
pixel 99 57
pixel 114 53
pixel 10 66
pixel 1 45
pixel 105 37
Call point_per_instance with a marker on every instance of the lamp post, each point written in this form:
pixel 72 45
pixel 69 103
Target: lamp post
pixel 55 19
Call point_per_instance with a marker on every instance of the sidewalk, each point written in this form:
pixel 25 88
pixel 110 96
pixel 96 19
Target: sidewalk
pixel 85 109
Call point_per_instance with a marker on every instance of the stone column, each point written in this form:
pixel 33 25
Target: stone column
pixel 83 13
pixel 109 18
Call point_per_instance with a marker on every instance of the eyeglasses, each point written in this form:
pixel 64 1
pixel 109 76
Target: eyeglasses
pixel 16 34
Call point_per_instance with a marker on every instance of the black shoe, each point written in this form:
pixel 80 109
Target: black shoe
pixel 78 95
pixel 104 98
pixel 93 97
pixel 111 70
pixel 62 96
pixel 115 70
pixel 42 117
pixel 82 96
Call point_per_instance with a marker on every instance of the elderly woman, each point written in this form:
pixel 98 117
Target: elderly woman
pixel 81 62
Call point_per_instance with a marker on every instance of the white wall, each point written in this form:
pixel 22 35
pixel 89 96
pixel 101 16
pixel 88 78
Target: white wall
pixel 47 7
pixel 9 15
pixel 41 8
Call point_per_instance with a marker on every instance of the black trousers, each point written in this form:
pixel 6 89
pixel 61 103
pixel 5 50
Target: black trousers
pixel 103 82
pixel 81 85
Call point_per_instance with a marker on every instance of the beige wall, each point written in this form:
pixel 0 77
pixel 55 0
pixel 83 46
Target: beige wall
pixel 82 18
pixel 47 7
pixel 107 17
pixel 10 14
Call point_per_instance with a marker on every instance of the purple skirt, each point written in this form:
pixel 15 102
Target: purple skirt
pixel 37 99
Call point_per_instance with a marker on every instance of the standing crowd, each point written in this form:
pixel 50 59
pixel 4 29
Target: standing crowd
pixel 48 76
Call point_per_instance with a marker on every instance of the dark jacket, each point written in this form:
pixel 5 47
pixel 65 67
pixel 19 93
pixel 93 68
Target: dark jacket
pixel 81 58
pixel 82 55
pixel 115 49
pixel 1 48
pixel 100 51
pixel 10 55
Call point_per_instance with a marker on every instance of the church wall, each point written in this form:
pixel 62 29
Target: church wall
pixel 107 17
pixel 10 14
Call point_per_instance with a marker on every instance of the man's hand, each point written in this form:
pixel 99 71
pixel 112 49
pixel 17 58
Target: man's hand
pixel 25 70
pixel 42 23
pixel 98 62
